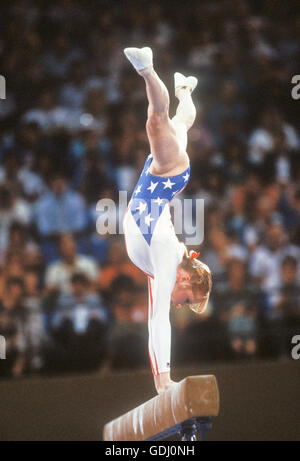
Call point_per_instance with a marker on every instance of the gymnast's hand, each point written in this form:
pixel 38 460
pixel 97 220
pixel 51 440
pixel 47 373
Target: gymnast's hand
pixel 163 382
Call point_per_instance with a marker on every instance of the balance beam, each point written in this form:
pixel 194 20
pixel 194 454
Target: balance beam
pixel 185 407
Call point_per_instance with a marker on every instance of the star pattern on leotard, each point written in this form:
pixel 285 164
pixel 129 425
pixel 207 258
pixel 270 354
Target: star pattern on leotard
pixel 168 184
pixel 151 195
pixel 138 189
pixel 148 219
pixel 159 201
pixel 142 207
pixel 186 177
pixel 152 186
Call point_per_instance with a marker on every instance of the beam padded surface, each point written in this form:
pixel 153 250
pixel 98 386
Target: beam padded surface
pixel 194 396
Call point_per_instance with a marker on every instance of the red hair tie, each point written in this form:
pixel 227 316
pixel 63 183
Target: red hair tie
pixel 194 254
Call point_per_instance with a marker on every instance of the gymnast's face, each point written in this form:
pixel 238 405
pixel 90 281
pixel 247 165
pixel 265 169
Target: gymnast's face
pixel 183 292
pixel 193 285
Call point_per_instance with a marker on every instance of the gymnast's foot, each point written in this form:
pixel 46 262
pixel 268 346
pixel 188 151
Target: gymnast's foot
pixel 182 82
pixel 163 382
pixel 140 58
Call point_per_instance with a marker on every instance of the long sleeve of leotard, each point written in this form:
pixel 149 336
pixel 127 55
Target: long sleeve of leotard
pixel 160 287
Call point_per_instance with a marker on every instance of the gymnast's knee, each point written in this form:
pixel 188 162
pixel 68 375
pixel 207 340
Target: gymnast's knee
pixel 157 120
pixel 186 120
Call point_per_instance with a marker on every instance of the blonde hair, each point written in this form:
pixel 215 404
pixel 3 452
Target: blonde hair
pixel 201 281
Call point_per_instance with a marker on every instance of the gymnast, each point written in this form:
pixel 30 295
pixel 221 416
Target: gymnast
pixel 175 276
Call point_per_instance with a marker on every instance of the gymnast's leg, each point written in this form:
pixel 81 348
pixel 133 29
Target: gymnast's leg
pixel 165 148
pixel 186 111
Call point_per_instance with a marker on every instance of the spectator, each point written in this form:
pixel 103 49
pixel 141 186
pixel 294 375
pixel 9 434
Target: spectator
pixel 16 240
pixel 95 109
pixel 9 172
pixel 128 338
pixel 216 253
pixel 35 331
pixel 47 115
pixel 78 329
pixel 238 305
pixel 12 209
pixel 289 291
pixel 261 141
pixel 286 300
pixel 58 61
pixel 60 210
pixel 229 104
pixel 289 206
pixel 118 265
pixel 279 164
pixel 73 93
pixel 58 275
pixel 266 259
pixel 12 327
pixel 28 142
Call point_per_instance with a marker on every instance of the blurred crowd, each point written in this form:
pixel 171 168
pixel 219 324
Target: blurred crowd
pixel 72 131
